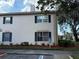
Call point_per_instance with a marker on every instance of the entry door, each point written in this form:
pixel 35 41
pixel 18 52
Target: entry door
pixel 7 36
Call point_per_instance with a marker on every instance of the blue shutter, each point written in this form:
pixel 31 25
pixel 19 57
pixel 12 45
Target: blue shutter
pixel 4 20
pixel 49 18
pixel 11 20
pixel 35 36
pixel 35 19
pixel 50 35
pixel 2 37
pixel 10 39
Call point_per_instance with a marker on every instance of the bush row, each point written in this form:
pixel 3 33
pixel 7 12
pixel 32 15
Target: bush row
pixel 25 44
pixel 66 43
pixel 61 43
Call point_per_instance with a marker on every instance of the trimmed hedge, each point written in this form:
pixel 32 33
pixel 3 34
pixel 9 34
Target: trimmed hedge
pixel 25 43
pixel 23 47
pixel 66 43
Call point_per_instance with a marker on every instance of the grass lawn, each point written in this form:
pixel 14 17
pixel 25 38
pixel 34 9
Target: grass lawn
pixel 75 57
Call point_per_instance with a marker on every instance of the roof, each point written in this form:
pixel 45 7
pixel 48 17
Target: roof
pixel 26 13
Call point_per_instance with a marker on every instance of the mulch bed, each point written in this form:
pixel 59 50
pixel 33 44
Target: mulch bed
pixel 2 53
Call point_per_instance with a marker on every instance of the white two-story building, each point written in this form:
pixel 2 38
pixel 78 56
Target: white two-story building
pixel 32 27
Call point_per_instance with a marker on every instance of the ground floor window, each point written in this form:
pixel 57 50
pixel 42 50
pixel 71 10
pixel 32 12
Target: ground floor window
pixel 42 36
pixel 6 36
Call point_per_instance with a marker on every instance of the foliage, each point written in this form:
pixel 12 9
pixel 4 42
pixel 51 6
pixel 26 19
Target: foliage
pixel 65 43
pixel 25 43
pixel 11 44
pixel 43 44
pixel 48 45
pixel 1 44
pixel 75 57
pixel 67 13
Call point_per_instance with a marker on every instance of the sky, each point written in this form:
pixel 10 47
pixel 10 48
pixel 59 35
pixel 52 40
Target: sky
pixel 16 5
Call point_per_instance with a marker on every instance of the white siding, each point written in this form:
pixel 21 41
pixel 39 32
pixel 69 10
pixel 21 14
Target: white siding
pixel 24 27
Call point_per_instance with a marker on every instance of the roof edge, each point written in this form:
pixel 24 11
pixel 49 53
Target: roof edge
pixel 27 13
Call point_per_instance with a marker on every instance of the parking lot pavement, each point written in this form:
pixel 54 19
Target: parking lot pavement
pixel 42 52
pixel 37 54
pixel 15 56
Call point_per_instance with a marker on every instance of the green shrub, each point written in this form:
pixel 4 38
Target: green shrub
pixel 1 44
pixel 11 44
pixel 36 44
pixel 17 44
pixel 65 43
pixel 43 44
pixel 31 44
pixel 48 45
pixel 25 43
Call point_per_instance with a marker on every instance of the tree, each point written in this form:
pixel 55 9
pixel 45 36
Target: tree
pixel 67 13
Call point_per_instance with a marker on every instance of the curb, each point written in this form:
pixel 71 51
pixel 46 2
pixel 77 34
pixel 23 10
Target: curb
pixel 2 54
pixel 70 57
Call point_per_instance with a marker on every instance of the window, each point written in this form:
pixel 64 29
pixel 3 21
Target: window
pixel 42 36
pixel 6 36
pixel 7 20
pixel 43 18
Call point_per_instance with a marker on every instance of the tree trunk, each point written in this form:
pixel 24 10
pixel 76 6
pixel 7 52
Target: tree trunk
pixel 75 34
pixel 76 37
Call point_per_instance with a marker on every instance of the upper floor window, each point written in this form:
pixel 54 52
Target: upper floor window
pixel 42 36
pixel 7 20
pixel 43 18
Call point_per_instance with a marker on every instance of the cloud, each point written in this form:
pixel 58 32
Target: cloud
pixel 29 5
pixel 17 5
pixel 6 5
pixel 2 11
pixel 27 8
pixel 25 1
pixel 8 2
pixel 34 2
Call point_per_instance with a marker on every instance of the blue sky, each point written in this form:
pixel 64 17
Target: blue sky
pixel 15 5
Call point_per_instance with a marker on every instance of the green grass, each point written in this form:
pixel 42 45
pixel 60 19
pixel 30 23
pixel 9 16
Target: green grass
pixel 75 57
